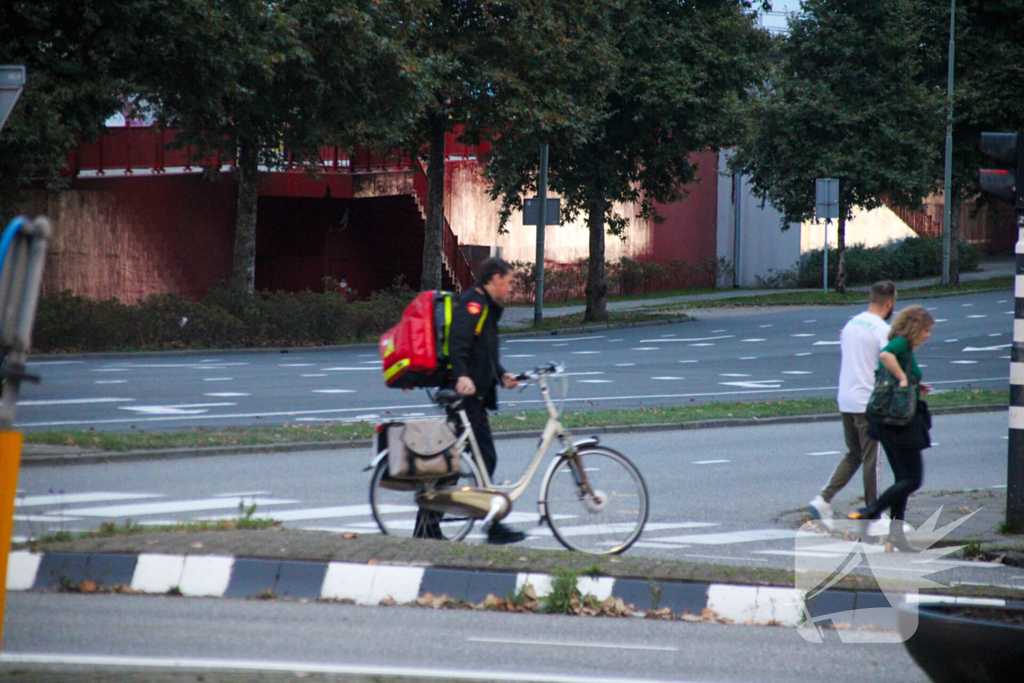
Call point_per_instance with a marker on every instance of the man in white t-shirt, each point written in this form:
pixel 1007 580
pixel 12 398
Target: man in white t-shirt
pixel 862 339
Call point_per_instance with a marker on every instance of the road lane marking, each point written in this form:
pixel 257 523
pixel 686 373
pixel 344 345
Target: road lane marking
pixel 796 372
pixel 732 374
pixel 226 394
pixel 362 510
pixel 326 411
pixel 645 348
pixel 74 498
pixel 964 362
pixel 300 365
pixel 987 348
pixel 826 343
pixel 692 339
pixel 709 462
pixel 595 381
pixel 334 391
pixel 731 537
pixel 803 334
pixel 667 378
pixel 217 379
pixel 626 365
pixel 552 339
pixel 585 353
pixel 756 384
pixel 756 339
pixel 54 362
pixel 75 401
pixel 556 643
pixel 185 409
pixel 315 374
pixel 110 381
pixel 825 453
pixel 350 369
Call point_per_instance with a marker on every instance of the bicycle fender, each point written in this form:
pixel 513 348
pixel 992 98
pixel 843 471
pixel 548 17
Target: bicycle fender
pixel 376 459
pixel 578 443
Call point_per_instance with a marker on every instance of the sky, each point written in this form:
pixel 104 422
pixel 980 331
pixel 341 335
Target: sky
pixel 776 19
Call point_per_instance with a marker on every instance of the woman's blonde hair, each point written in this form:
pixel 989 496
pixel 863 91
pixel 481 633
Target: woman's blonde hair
pixel 910 323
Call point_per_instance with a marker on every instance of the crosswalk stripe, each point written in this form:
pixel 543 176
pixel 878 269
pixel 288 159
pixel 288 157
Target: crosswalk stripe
pixel 172 507
pixel 75 498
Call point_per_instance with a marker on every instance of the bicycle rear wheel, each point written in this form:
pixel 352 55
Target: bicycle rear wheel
pixel 393 502
pixel 607 522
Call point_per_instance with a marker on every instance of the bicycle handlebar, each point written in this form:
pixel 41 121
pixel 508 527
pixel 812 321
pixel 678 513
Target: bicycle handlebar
pixel 549 369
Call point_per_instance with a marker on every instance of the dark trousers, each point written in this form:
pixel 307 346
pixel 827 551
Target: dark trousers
pixel 481 424
pixel 908 467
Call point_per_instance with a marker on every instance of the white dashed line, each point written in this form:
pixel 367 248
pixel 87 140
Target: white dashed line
pixel 349 369
pixel 753 340
pixel 594 381
pixel 810 321
pixel 110 381
pixel 964 305
pixel 963 362
pixel 585 353
pixel 521 355
pixel 689 361
pixel 764 326
pixel 625 365
pixel 75 401
pixel 803 334
pixel 796 372
pixel 825 453
pixel 977 316
pixel 217 379
pixel 941 320
pixel 334 391
pixel 732 374
pixel 703 344
pixel 748 358
pixel 109 370
pixel 997 347
pixel 806 353
pixel 688 340
pixel 644 348
pixel 226 394
pixel 299 365
pixel 709 462
pixel 717 331
pixel 315 374
pixel 826 343
pixel 667 378
pixel 541 340
pixel 950 341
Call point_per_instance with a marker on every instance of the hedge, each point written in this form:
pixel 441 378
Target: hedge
pixel 914 257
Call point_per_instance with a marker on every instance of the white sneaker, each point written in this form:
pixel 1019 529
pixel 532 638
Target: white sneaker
pixel 821 511
pixel 880 526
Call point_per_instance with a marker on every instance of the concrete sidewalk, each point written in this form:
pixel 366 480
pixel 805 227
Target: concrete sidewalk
pixel 521 317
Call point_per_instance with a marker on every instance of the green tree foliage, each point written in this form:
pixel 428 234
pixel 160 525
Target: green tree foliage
pixel 846 100
pixel 678 75
pixel 257 78
pixel 74 53
pixel 490 65
pixel 988 84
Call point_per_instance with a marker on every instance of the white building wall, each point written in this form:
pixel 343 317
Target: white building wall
pixel 763 245
pixel 878 227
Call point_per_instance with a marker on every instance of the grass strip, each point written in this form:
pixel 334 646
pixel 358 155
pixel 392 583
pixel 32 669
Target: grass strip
pixel 507 420
pixel 816 298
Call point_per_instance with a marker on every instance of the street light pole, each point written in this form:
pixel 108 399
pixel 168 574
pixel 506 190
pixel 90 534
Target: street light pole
pixel 947 182
pixel 542 217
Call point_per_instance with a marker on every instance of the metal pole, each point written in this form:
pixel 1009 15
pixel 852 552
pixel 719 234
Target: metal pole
pixel 1015 455
pixel 737 225
pixel 947 183
pixel 824 254
pixel 542 219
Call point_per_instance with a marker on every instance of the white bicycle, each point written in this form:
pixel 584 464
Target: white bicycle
pixel 592 497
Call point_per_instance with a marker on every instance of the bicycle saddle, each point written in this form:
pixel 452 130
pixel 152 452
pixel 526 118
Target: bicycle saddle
pixel 448 398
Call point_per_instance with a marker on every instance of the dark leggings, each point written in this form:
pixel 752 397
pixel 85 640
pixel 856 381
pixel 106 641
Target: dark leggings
pixel 908 468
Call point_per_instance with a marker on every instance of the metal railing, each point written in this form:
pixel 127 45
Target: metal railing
pixel 918 221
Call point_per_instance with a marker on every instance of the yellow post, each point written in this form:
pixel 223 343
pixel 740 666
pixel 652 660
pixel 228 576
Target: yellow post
pixel 10 459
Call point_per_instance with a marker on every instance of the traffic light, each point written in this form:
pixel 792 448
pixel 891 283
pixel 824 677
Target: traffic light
pixel 1004 183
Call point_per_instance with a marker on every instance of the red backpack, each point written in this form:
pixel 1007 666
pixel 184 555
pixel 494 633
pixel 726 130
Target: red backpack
pixel 415 351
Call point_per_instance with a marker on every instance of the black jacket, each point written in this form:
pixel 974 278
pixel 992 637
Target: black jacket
pixel 475 355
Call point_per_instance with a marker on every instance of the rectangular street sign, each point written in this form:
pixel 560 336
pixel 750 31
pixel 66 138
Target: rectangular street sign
pixel 826 198
pixel 12 79
pixel 531 211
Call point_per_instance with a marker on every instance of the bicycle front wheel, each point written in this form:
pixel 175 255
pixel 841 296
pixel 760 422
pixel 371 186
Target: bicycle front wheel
pixel 607 515
pixel 393 503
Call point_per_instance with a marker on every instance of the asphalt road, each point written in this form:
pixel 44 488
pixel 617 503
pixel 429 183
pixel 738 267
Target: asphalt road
pixel 728 354
pixel 728 496
pixel 299 637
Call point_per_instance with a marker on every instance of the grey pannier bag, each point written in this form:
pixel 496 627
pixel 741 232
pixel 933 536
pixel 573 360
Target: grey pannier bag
pixel 422 449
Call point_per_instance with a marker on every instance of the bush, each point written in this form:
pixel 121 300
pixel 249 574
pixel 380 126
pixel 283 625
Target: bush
pixel 914 257
pixel 225 318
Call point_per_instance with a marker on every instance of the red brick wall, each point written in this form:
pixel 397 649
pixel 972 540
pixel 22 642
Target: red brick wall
pixel 128 238
pixel 689 232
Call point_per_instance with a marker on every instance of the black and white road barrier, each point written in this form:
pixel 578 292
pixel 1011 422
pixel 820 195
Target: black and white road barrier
pixel 1015 456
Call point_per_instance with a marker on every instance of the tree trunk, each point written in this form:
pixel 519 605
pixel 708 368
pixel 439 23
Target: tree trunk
pixel 954 239
pixel 243 275
pixel 841 248
pixel 433 238
pixel 597 282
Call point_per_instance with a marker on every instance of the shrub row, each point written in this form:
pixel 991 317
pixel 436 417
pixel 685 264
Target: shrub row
pixel 566 282
pixel 223 319
pixel 914 257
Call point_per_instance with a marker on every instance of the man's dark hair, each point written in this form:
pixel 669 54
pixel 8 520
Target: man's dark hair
pixel 491 267
pixel 882 291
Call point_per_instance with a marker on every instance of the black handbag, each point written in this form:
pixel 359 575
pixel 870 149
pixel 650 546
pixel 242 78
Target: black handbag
pixel 891 404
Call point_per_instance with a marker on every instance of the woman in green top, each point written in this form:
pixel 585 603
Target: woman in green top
pixel 903 445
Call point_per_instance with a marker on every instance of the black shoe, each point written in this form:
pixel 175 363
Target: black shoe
pixel 499 534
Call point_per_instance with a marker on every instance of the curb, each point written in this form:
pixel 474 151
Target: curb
pixel 225 576
pixel 96 457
